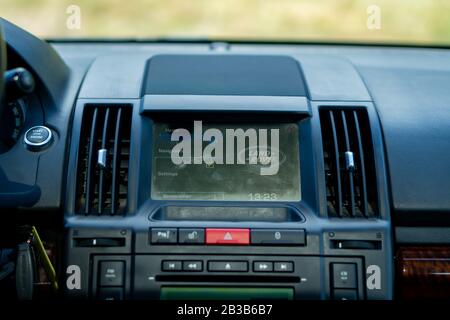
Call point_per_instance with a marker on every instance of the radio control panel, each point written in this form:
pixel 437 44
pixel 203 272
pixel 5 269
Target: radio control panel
pixel 299 263
pixel 227 236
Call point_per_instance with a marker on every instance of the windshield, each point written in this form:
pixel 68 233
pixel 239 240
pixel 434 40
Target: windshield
pixel 377 21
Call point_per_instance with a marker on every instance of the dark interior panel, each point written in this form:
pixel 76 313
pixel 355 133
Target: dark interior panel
pixel 245 75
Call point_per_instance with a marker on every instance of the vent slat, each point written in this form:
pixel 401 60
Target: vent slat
pixel 337 166
pixel 362 166
pixel 116 164
pixel 90 185
pixel 349 163
pixel 350 201
pixel 102 184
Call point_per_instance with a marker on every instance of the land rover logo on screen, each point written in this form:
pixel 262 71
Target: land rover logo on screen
pixel 232 151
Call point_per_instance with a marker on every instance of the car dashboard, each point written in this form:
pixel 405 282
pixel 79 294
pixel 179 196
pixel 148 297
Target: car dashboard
pixel 227 170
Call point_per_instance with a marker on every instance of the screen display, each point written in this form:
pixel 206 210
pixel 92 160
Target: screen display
pixel 215 161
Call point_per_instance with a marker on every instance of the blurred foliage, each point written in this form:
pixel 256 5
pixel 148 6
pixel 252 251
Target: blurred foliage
pixel 405 21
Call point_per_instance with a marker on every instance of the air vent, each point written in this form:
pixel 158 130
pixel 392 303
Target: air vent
pixel 103 159
pixel 349 163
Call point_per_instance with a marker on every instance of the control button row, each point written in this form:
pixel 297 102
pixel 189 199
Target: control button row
pixel 174 235
pixel 228 266
pixel 194 266
pixel 112 273
pixel 111 280
pixel 110 293
pixel 167 235
pixel 219 236
pixel 344 277
pixel 269 266
pixel 228 236
pixel 345 294
pixel 172 266
pixel 278 237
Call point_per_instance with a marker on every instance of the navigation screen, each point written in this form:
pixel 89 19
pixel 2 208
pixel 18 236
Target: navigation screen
pixel 240 162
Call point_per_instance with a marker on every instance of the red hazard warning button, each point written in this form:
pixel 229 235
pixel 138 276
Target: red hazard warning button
pixel 228 236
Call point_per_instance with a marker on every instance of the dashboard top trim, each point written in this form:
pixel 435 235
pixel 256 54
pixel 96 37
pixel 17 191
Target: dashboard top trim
pixel 212 103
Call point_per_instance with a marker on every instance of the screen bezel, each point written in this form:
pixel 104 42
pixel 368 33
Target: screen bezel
pixel 234 125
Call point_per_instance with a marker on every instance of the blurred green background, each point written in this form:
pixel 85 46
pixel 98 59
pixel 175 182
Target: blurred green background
pixel 402 21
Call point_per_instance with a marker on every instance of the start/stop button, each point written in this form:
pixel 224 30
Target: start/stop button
pixel 37 138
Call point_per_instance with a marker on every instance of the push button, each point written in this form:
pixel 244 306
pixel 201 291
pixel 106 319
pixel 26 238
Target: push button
pixel 345 294
pixel 164 235
pixel 228 236
pixel 192 266
pixel 228 266
pixel 37 137
pixel 112 273
pixel 191 236
pixel 171 266
pixel 284 266
pixel 262 266
pixel 344 275
pixel 278 237
pixel 110 294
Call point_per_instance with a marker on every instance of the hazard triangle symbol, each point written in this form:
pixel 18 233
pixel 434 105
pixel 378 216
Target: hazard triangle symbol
pixel 228 236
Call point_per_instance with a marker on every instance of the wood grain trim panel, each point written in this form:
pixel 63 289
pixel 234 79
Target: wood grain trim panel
pixel 423 272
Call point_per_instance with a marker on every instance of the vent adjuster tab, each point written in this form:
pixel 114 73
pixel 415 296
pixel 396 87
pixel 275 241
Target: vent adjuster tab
pixel 101 158
pixel 349 161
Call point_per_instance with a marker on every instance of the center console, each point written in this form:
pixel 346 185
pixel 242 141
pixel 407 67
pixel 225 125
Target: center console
pixel 226 178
